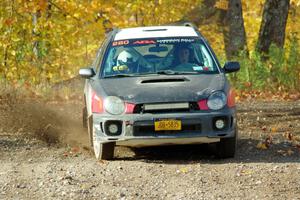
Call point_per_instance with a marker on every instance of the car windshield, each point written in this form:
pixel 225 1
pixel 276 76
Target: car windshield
pixel 185 55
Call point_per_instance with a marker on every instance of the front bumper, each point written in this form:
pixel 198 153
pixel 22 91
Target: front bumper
pixel 138 129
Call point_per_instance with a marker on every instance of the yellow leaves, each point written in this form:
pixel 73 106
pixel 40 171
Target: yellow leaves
pixel 289 136
pixel 262 146
pixel 291 143
pixel 68 17
pixel 33 79
pixel 43 4
pixel 288 152
pixel 149 13
pixel 76 15
pixel 244 172
pixel 9 21
pixel 69 73
pixel 295 2
pixel 49 75
pixel 222 4
pixel 71 33
pixel 9 75
pixel 94 5
pixel 252 94
pixel 15 39
pixel 109 9
pixel 33 6
pixel 296 138
pixel 61 36
pixel 183 170
pixel 237 98
pixel 273 129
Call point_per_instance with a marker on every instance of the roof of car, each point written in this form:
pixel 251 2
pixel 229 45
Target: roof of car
pixel 155 31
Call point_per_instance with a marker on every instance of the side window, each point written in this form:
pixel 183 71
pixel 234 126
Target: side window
pixel 208 62
pixel 96 64
pixel 96 59
pixel 110 60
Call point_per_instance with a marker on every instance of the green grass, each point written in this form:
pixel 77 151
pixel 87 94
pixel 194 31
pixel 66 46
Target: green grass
pixel 279 70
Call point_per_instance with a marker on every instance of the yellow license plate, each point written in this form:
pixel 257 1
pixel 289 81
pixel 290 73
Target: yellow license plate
pixel 167 125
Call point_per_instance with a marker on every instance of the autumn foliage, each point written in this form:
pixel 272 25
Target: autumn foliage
pixel 49 40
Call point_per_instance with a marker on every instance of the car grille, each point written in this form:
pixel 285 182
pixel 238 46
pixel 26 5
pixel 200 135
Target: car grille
pixel 148 130
pixel 192 106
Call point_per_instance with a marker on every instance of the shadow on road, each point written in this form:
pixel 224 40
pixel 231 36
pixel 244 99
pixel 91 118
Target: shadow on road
pixel 247 152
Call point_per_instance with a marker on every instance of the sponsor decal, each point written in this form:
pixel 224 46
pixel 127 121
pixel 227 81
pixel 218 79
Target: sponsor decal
pixel 197 68
pixel 175 40
pixel 161 41
pixel 144 42
pixel 120 43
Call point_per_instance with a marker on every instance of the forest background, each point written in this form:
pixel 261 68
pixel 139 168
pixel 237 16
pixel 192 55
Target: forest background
pixel 46 41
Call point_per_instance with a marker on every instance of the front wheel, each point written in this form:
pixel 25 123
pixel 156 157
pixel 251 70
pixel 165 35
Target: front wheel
pixel 226 148
pixel 103 151
pixel 90 130
pixel 84 117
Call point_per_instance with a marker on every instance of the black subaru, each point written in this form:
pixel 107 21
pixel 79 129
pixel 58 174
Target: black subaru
pixel 159 85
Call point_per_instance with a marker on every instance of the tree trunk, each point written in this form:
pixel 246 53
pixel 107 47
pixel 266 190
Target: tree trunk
pixel 35 17
pixel 231 22
pixel 206 13
pixel 272 29
pixel 235 37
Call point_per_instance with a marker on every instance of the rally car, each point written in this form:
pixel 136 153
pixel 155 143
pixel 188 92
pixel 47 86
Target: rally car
pixel 158 85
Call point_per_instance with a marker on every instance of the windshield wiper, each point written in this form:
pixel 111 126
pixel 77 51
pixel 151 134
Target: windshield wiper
pixel 120 75
pixel 171 72
pixel 164 72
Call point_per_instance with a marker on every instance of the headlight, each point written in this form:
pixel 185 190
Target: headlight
pixel 114 105
pixel 216 100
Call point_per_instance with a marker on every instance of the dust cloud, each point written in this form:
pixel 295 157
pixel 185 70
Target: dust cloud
pixel 55 122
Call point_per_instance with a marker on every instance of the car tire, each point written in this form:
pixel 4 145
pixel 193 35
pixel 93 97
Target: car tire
pixel 90 129
pixel 104 151
pixel 226 148
pixel 84 117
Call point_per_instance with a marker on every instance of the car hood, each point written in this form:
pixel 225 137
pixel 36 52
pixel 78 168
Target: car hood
pixel 162 88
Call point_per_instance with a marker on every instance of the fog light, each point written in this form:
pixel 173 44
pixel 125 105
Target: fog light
pixel 113 128
pixel 220 124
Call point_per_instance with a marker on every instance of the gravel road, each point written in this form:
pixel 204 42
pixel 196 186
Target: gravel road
pixel 44 155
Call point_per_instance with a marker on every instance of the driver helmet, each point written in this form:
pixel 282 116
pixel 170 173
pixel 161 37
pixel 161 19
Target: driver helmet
pixel 126 58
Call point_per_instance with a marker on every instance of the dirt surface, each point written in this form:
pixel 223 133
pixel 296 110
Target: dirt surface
pixel 44 154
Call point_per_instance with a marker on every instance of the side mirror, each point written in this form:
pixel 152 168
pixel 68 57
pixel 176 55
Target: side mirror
pixel 87 72
pixel 231 67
